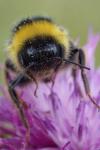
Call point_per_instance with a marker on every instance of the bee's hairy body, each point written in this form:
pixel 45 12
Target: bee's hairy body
pixel 39 40
pixel 37 50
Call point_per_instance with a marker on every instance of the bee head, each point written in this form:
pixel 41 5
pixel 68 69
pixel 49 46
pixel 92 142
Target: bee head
pixel 40 52
pixel 38 41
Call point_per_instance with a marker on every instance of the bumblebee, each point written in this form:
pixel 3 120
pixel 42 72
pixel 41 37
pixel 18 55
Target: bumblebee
pixel 38 49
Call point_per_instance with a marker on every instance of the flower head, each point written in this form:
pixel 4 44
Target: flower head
pixel 59 119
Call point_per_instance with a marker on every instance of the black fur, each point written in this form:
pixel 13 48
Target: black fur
pixel 29 21
pixel 40 50
pixel 9 66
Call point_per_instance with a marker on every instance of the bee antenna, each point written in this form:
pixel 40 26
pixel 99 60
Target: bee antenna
pixel 62 59
pixel 69 61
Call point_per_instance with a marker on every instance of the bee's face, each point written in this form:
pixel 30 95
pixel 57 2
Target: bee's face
pixel 41 52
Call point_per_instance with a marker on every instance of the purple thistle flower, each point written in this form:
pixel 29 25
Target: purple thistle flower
pixel 59 119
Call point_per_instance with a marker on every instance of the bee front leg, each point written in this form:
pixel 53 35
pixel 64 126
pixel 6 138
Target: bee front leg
pixel 15 98
pixel 81 60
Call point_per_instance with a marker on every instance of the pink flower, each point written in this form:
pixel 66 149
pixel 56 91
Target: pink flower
pixel 59 119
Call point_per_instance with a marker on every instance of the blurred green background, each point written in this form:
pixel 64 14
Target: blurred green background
pixel 75 15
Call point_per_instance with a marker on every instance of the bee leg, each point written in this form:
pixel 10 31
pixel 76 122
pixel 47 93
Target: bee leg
pixel 32 78
pixel 35 91
pixel 15 98
pixel 81 60
pixel 55 73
